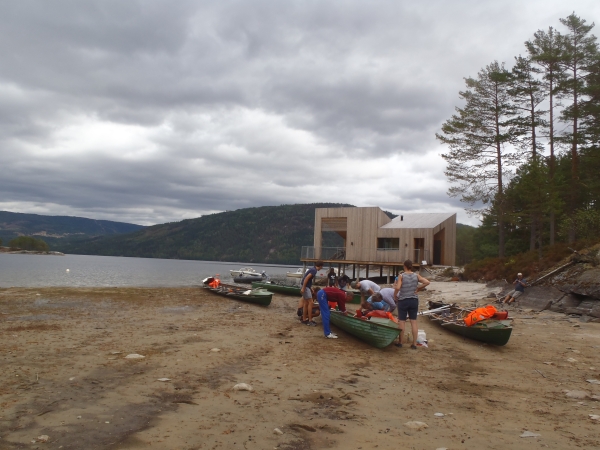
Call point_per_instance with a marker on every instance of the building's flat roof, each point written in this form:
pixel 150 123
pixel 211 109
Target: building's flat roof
pixel 418 220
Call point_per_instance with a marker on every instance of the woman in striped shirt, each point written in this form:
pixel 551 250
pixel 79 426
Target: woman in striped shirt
pixel 405 290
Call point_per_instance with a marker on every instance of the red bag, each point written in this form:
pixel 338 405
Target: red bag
pixel 501 315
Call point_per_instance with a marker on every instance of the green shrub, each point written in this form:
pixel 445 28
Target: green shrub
pixel 28 243
pixel 528 263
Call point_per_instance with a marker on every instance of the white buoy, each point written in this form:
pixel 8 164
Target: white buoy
pixel 67 270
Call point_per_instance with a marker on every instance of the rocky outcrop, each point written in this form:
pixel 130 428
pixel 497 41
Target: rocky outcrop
pixel 574 289
pixel 586 284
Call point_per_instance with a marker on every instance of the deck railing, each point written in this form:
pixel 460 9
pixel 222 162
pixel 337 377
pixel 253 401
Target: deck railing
pixel 376 255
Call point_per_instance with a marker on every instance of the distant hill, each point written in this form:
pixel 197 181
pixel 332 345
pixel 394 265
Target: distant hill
pixel 267 234
pixel 54 229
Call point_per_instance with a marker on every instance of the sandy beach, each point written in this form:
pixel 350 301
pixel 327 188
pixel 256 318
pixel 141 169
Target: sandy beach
pixel 65 381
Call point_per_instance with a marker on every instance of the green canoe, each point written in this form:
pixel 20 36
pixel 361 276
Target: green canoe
pixel 257 296
pixel 377 332
pixel 290 290
pixel 275 287
pixel 490 331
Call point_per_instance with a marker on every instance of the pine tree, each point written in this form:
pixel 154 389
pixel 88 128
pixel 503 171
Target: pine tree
pixel 477 136
pixel 527 94
pixel 547 51
pixel 590 153
pixel 581 51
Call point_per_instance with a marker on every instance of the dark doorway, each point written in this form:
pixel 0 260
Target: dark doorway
pixel 437 253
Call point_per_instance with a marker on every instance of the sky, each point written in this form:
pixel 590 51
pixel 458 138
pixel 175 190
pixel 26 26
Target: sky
pixel 157 111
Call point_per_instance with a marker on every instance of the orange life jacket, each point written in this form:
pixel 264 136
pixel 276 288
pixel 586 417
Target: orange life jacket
pixel 215 283
pixel 480 314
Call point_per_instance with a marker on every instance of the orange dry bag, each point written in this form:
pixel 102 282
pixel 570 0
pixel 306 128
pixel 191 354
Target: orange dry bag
pixel 480 314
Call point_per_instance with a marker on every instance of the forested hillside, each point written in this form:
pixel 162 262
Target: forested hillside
pixel 268 234
pixel 55 229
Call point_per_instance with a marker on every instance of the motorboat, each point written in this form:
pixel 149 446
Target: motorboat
pixel 244 271
pixel 297 274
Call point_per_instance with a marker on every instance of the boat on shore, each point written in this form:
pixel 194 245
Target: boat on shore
pixel 491 331
pixel 244 271
pixel 249 278
pixel 277 287
pixel 297 274
pixel 258 296
pixel 292 290
pixel 378 332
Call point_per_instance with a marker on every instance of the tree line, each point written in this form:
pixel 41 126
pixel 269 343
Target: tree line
pixel 28 243
pixel 524 149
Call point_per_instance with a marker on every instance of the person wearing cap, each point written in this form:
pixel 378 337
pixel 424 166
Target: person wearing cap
pixel 367 288
pixel 520 285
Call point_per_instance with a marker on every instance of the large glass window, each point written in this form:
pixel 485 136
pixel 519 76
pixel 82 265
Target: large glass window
pixel 388 243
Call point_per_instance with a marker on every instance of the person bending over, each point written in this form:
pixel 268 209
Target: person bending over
pixel 366 287
pixel 331 294
pixel 387 297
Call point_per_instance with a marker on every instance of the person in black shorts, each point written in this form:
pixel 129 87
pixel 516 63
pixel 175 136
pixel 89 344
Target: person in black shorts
pixel 405 290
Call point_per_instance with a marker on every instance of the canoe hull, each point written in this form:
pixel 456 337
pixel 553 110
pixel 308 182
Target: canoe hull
pixel 491 331
pixel 278 288
pixel 291 290
pixel 496 336
pixel 247 279
pixel 256 296
pixel 374 334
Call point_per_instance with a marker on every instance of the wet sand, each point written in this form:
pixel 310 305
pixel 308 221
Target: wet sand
pixel 61 376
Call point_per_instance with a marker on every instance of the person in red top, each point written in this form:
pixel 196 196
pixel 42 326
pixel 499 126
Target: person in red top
pixel 332 294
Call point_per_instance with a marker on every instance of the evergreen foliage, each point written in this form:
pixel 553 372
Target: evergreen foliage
pixel 531 180
pixel 28 243
pixel 476 136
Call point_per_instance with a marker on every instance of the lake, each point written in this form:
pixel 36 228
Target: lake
pixel 109 271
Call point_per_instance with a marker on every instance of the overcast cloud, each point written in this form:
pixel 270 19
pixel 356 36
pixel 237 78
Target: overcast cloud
pixel 154 111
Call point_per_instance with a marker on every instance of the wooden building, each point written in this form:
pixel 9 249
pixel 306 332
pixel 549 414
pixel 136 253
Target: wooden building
pixel 369 237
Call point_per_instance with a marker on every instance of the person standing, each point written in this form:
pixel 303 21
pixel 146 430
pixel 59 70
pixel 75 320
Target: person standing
pixel 520 285
pixel 331 278
pixel 405 290
pixel 307 293
pixel 331 294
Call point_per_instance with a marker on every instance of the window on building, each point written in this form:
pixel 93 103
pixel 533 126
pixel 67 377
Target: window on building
pixel 388 243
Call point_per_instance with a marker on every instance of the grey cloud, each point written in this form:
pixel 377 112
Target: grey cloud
pixel 233 104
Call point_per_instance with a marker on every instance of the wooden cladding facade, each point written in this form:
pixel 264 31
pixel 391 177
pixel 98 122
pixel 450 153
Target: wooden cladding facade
pixel 363 228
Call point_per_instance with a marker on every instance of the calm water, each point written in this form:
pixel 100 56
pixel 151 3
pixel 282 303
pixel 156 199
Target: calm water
pixel 96 271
